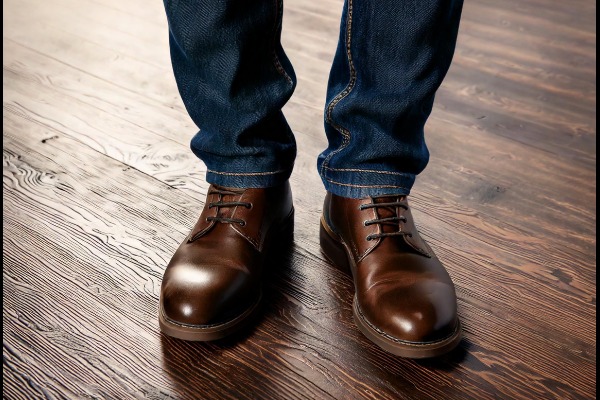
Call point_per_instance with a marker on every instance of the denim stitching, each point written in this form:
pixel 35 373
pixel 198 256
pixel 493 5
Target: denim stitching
pixel 278 17
pixel 366 186
pixel 344 132
pixel 368 170
pixel 246 173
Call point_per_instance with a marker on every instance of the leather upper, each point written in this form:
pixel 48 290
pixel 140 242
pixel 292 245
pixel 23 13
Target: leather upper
pixel 215 273
pixel 402 289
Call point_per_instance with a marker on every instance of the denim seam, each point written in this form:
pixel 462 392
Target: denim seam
pixel 365 186
pixel 246 173
pixel 351 84
pixel 276 62
pixel 368 170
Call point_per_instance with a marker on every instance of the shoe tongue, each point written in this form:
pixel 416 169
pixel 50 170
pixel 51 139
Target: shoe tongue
pixel 388 212
pixel 232 190
pixel 230 194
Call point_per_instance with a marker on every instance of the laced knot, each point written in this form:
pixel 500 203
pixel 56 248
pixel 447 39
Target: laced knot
pixel 225 204
pixel 394 220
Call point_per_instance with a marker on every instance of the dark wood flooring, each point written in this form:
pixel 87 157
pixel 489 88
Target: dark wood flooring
pixel 100 187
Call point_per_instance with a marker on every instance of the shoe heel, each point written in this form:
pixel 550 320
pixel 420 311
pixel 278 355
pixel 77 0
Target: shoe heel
pixel 333 249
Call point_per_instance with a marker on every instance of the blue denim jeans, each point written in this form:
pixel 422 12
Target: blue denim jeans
pixel 234 79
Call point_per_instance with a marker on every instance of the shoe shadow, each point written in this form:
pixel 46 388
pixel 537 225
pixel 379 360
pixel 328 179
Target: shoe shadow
pixel 450 361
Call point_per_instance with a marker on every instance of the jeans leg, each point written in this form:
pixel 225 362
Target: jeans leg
pixel 234 79
pixel 391 58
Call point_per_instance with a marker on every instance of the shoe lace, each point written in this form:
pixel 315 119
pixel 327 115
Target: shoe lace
pixel 225 204
pixel 393 221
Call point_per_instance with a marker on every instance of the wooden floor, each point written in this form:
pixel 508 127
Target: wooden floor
pixel 100 187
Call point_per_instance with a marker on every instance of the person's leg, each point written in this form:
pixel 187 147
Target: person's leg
pixel 391 59
pixel 234 78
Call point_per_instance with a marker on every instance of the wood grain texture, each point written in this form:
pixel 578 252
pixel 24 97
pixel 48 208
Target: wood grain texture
pixel 100 187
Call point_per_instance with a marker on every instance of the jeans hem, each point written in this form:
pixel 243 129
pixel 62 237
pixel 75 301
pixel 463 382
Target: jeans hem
pixel 248 179
pixel 358 184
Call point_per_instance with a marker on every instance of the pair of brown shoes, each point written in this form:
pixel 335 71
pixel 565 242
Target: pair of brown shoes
pixel 405 300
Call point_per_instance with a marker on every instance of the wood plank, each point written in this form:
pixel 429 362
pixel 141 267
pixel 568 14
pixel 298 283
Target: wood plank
pixel 115 197
pixel 100 187
pixel 519 128
pixel 551 175
pixel 139 153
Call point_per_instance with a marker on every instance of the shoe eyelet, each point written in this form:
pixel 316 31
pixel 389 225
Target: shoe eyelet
pixel 249 206
pixel 242 223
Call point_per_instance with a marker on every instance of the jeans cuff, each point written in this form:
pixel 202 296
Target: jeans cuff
pixel 248 179
pixel 359 183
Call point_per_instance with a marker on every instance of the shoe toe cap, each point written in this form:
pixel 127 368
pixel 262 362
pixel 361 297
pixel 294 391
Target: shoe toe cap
pixel 422 313
pixel 204 295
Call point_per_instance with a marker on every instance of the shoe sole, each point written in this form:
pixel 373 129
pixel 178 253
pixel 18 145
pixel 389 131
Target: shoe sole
pixel 337 252
pixel 206 333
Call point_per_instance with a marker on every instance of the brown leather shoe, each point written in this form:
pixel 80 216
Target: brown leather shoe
pixel 405 300
pixel 212 286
